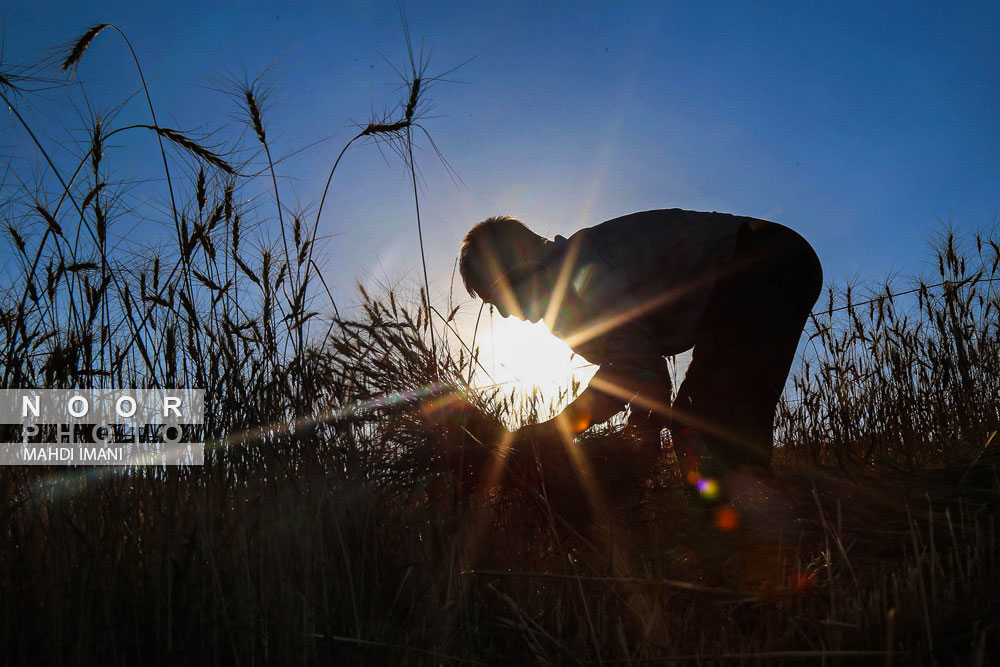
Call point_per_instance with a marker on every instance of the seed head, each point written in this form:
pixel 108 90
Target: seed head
pixel 81 45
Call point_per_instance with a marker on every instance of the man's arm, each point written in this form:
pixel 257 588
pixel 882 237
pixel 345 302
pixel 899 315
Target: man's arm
pixel 634 373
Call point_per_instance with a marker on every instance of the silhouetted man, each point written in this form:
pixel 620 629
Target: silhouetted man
pixel 627 292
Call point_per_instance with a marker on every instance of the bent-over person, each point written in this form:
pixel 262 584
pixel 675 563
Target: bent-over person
pixel 630 291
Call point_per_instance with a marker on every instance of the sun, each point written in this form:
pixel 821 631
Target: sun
pixel 527 357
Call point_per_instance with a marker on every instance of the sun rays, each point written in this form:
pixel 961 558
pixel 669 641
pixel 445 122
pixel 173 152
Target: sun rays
pixel 529 359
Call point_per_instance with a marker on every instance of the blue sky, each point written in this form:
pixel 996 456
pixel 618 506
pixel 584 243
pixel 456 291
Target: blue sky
pixel 862 125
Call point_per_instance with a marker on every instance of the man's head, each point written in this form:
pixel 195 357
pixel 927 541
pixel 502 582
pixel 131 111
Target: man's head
pixel 501 262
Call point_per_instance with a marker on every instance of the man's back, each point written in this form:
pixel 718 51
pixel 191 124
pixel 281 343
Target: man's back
pixel 646 275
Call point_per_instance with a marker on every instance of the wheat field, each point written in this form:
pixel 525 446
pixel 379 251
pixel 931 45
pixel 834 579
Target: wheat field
pixel 338 518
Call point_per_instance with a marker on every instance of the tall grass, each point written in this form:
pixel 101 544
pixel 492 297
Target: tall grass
pixel 335 520
pixel 905 374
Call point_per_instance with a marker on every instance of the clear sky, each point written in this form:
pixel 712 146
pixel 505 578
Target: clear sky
pixel 862 125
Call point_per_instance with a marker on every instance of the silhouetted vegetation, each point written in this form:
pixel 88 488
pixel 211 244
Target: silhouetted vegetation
pixel 332 521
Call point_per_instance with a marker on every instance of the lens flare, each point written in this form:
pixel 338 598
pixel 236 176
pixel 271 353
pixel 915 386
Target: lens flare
pixel 803 582
pixel 727 519
pixel 708 488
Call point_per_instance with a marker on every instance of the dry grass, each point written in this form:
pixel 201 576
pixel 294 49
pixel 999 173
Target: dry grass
pixel 334 519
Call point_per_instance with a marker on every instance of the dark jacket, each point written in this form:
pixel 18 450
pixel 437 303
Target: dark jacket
pixel 631 291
